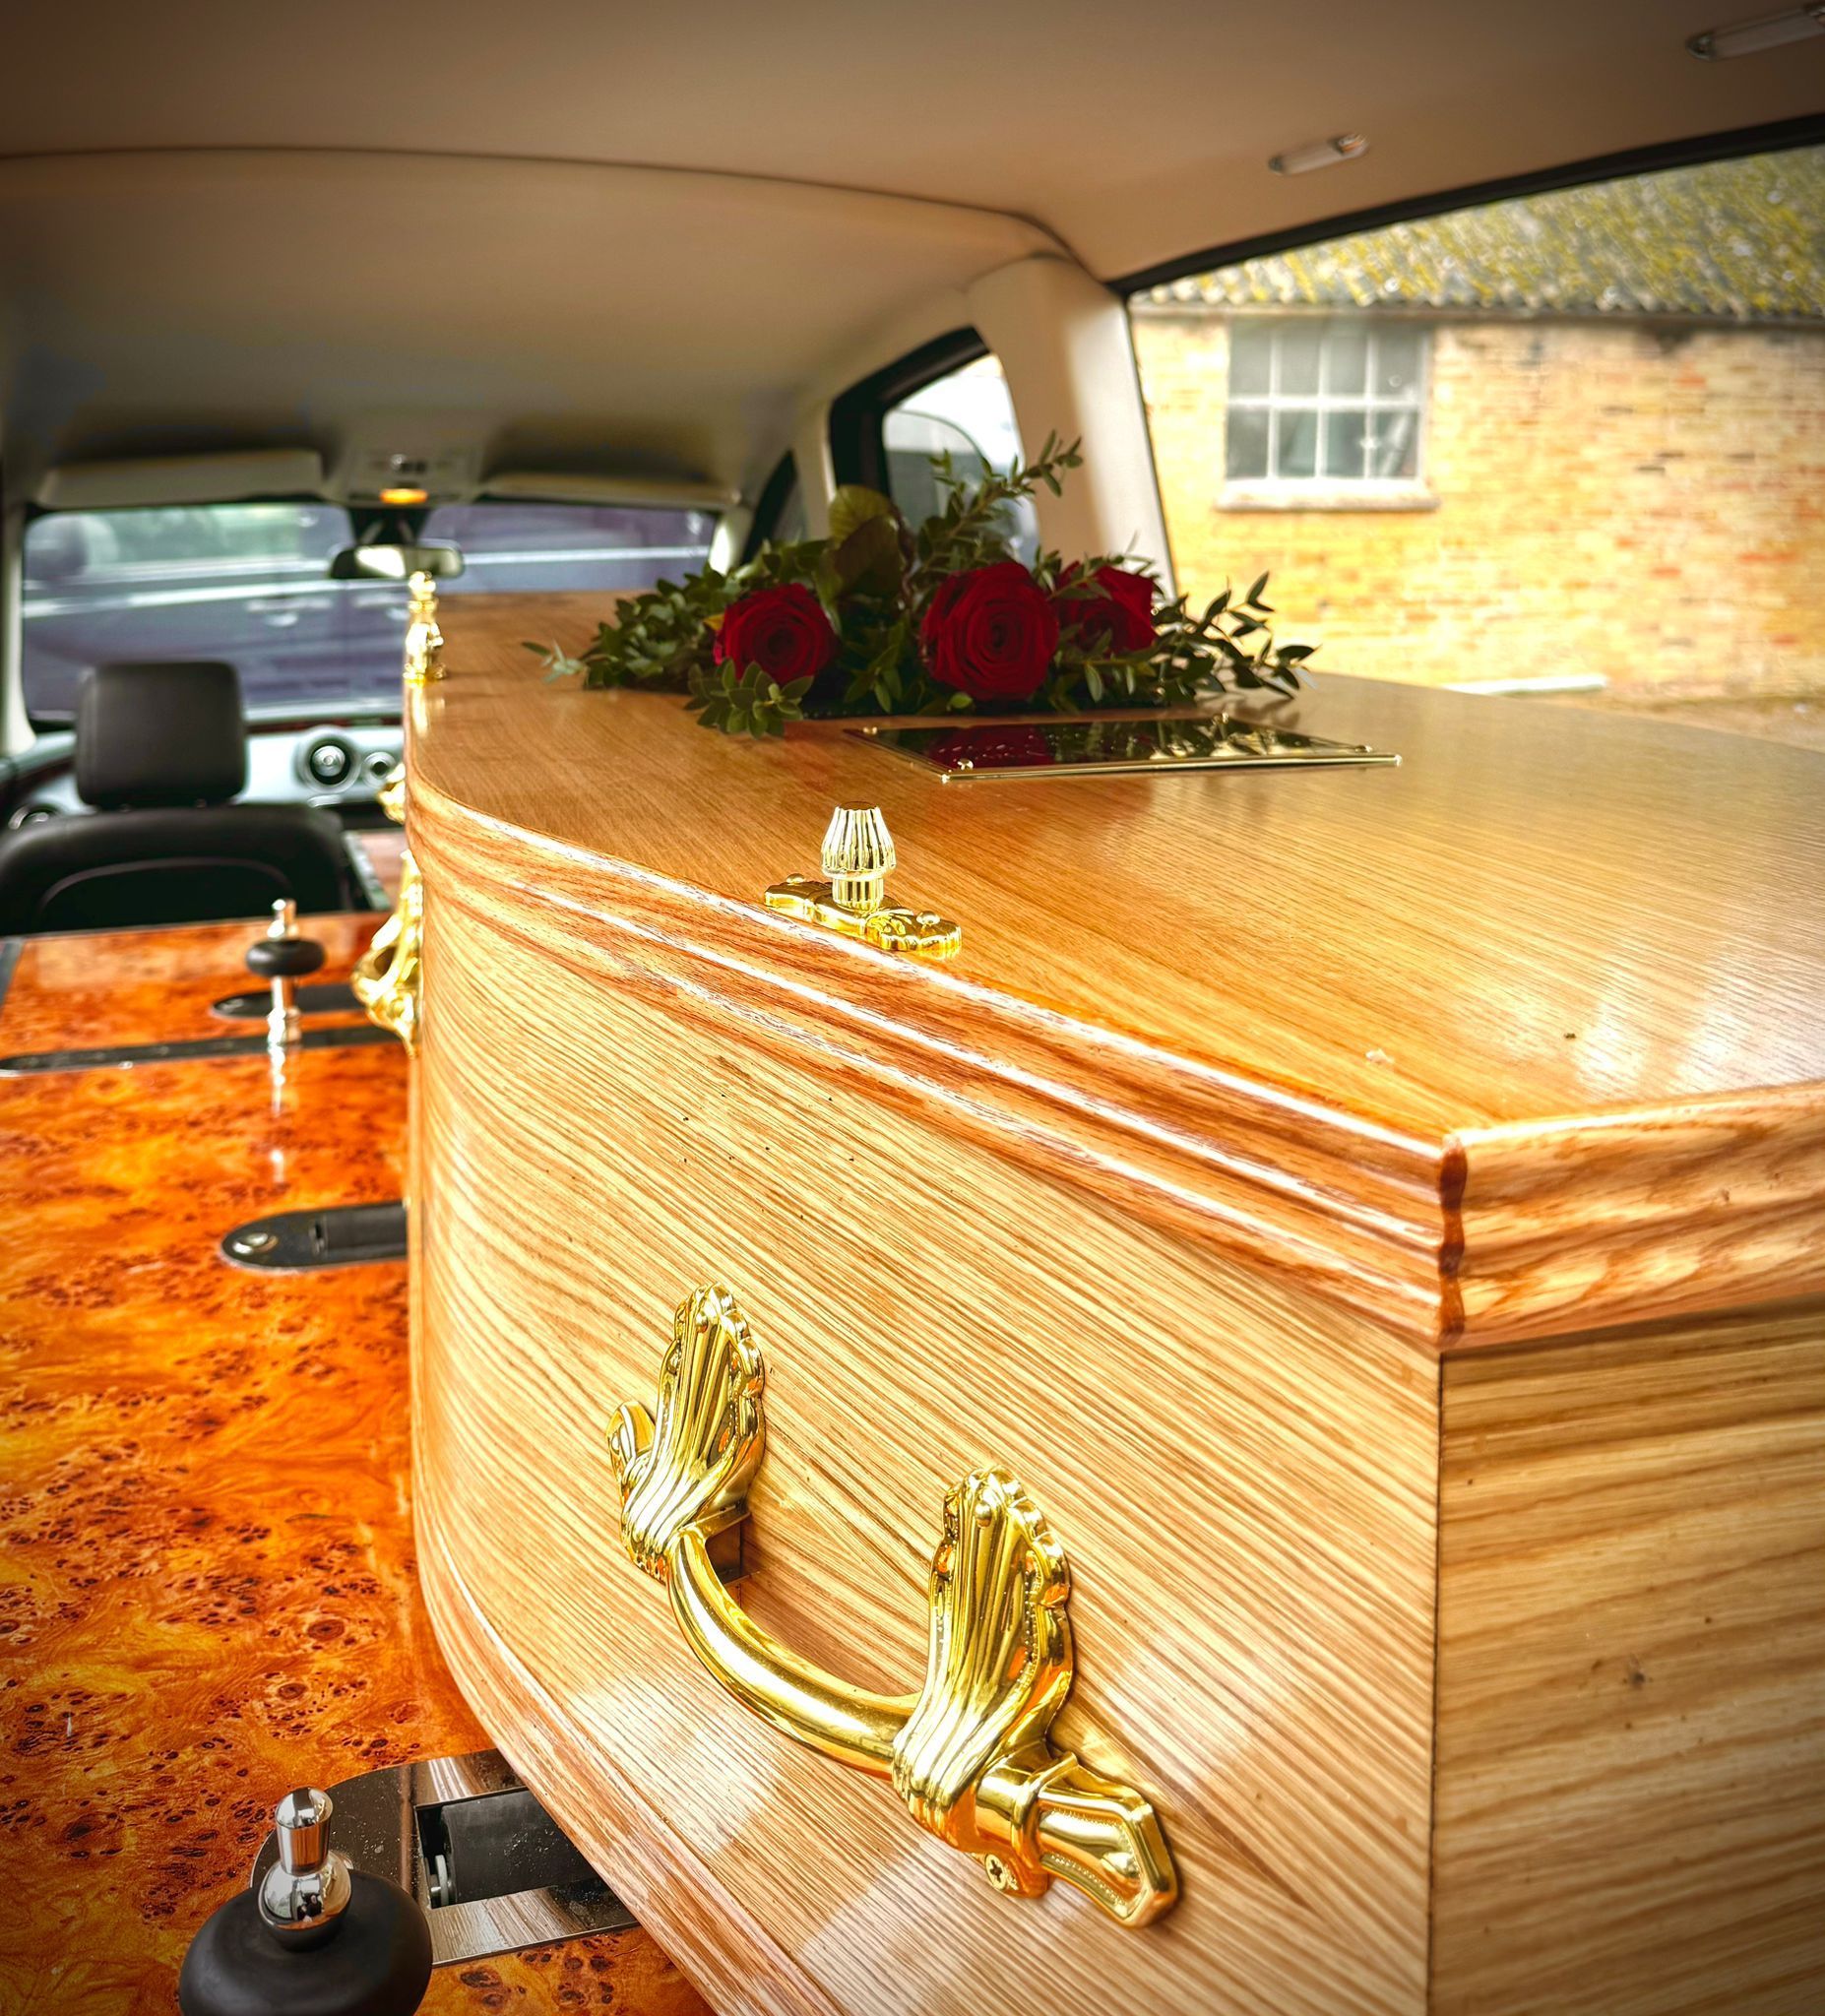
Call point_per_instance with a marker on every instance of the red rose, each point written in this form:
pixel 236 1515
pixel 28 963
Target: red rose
pixel 1122 614
pixel 782 630
pixel 990 633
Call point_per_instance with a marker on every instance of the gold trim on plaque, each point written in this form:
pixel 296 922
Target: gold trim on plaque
pixel 969 1753
pixel 1114 745
pixel 857 858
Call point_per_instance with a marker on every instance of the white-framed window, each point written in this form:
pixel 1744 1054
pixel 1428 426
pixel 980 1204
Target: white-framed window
pixel 1329 401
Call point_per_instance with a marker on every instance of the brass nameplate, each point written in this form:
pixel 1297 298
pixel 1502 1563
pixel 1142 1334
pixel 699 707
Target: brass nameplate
pixel 1104 748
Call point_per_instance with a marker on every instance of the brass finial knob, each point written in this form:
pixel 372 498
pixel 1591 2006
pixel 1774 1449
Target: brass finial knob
pixel 856 860
pixel 858 857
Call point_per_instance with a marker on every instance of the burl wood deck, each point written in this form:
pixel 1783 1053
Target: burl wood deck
pixel 207 1590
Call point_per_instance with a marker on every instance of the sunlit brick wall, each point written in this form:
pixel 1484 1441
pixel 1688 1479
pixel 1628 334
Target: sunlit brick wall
pixel 1608 498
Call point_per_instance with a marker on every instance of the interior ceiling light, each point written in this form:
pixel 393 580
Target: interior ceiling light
pixel 1770 31
pixel 404 494
pixel 1325 154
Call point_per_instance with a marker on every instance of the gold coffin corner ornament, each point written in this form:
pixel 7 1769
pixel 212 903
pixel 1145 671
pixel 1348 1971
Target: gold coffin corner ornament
pixel 969 1753
pixel 425 640
pixel 385 978
pixel 857 858
pixel 391 797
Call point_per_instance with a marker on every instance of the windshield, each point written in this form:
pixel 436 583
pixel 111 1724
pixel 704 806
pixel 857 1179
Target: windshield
pixel 249 583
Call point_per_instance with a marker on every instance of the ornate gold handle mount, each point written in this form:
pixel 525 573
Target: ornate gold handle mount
pixel 969 1753
pixel 385 979
pixel 424 637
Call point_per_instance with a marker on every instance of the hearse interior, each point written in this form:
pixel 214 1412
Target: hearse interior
pixel 912 1009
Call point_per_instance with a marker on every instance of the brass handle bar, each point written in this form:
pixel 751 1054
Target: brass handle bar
pixel 799 1699
pixel 969 1753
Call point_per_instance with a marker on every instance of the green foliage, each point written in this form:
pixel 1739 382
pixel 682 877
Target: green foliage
pixel 750 704
pixel 875 577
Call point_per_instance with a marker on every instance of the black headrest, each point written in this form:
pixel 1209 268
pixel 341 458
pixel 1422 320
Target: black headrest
pixel 161 735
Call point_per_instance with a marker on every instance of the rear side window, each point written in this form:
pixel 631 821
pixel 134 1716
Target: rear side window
pixel 967 414
pixel 1566 444
pixel 516 547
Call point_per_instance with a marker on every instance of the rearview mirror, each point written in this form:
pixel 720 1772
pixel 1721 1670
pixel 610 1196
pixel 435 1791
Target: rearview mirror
pixel 396 563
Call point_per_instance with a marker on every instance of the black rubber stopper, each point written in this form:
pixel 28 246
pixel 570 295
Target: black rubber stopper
pixel 377 1964
pixel 284 959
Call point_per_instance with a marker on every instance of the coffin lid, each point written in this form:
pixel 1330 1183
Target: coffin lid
pixel 1524 1037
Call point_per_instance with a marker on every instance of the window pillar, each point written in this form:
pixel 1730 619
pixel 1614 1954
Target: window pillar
pixel 16 731
pixel 817 475
pixel 1064 342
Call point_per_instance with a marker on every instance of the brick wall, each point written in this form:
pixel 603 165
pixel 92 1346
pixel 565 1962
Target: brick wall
pixel 1613 498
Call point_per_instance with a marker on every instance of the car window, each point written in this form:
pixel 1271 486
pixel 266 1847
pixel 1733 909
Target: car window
pixel 1564 444
pixel 543 547
pixel 791 523
pixel 250 583
pixel 968 415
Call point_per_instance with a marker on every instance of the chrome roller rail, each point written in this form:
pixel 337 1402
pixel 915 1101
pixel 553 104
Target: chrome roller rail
pixel 466 1839
pixel 122 1057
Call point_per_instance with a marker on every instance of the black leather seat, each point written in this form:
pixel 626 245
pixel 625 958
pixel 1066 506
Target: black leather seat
pixel 160 751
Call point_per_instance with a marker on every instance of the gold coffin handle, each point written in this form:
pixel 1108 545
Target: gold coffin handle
pixel 385 979
pixel 969 1753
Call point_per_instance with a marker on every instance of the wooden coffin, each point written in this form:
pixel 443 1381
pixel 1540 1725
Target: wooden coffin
pixel 1375 1216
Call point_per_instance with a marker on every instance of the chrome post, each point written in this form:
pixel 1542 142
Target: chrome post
pixel 303 1895
pixel 281 1023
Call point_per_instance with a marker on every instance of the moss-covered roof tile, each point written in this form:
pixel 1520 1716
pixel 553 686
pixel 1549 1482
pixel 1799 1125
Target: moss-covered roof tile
pixel 1741 240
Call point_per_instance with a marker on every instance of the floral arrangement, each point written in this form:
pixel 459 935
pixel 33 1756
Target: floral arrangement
pixel 941 618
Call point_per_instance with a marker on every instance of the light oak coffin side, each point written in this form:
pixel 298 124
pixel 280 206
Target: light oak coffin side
pixel 1535 914
pixel 1493 1235
pixel 1243 1477
pixel 1326 1199
pixel 1455 1044
pixel 1630 1791
pixel 1601 1219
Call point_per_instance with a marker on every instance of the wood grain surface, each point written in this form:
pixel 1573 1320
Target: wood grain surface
pixel 1355 1026
pixel 1254 1640
pixel 1630 1796
pixel 208 1587
pixel 83 990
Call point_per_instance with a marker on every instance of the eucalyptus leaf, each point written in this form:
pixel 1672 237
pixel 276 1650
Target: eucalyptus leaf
pixel 855 505
pixel 868 560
